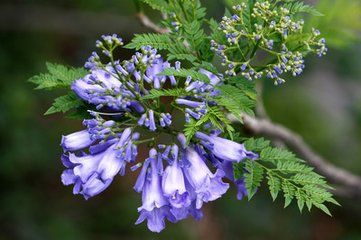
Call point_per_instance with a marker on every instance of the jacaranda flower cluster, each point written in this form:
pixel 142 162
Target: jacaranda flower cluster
pixel 177 178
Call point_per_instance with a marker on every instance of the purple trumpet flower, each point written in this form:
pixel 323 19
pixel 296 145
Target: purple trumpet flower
pixel 204 185
pixel 189 103
pixel 165 119
pixel 173 184
pixel 197 111
pixel 137 106
pixel 76 141
pixel 225 149
pixel 101 88
pixel 156 68
pixel 148 120
pixel 142 119
pixel 93 186
pixel 85 87
pixel 152 126
pixel 182 140
pixel 99 129
pixel 200 88
pixel 155 207
pixel 193 114
pixel 214 79
pixel 91 174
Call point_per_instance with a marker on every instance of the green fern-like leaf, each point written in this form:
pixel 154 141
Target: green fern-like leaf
pixel 216 34
pixel 247 15
pixel 235 101
pixel 289 192
pixel 154 93
pixel 257 144
pixel 64 104
pixel 214 116
pixel 177 50
pixel 284 173
pixel 58 76
pixel 274 184
pixel 301 7
pixel 253 177
pixel 291 166
pixel 158 41
pixel 246 86
pixel 276 155
pixel 160 5
pixel 195 75
pixel 194 34
pixel 191 128
pixel 191 16
pixel 219 120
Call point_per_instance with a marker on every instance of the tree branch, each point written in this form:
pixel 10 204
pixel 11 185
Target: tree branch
pixel 149 24
pixel 334 174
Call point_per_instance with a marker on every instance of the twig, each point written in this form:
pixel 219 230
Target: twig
pixel 334 174
pixel 149 24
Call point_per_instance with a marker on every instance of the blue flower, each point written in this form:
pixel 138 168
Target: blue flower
pixel 225 149
pixel 156 68
pixel 205 185
pixel 173 183
pixel 76 141
pixel 155 207
pixel 214 79
pixel 92 173
pixel 102 88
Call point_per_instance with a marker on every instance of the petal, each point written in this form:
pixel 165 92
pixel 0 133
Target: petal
pixel 155 218
pixel 173 180
pixel 241 189
pixel 196 213
pixel 68 177
pixel 110 164
pixel 94 186
pixel 138 187
pixel 82 88
pixel 87 165
pixel 214 79
pixel 180 213
pixel 197 172
pixel 180 200
pixel 66 162
pixel 152 196
pixel 106 78
pixel 101 147
pixel 137 107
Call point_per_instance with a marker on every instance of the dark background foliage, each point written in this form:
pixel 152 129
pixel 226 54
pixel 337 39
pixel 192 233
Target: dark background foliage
pixel 324 106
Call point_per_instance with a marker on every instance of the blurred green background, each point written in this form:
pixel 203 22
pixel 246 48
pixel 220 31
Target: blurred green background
pixel 324 106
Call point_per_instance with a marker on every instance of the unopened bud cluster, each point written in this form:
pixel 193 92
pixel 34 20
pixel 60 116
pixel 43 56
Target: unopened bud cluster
pixel 274 35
